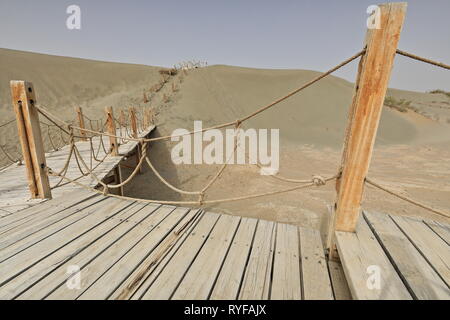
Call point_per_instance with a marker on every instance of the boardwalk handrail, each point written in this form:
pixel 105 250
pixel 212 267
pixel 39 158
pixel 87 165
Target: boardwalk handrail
pixel 370 89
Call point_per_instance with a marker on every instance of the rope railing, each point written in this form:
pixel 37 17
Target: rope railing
pixel 7 123
pixel 86 170
pixel 374 184
pixel 66 128
pixel 429 61
pixel 9 159
pixel 231 123
pixel 315 181
pixel 407 199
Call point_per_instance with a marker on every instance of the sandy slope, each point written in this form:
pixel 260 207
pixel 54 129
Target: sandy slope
pixel 62 83
pixel 411 154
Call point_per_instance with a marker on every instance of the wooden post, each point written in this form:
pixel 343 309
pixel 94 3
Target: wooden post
pixel 79 112
pixel 111 128
pixel 145 115
pixel 118 178
pixel 24 100
pixel 364 115
pixel 133 122
pixel 134 131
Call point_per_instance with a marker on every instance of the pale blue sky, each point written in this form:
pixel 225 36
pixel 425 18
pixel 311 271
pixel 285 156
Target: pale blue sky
pixel 299 34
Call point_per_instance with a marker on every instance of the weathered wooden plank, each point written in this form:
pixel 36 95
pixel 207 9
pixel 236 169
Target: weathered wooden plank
pixel 17 240
pixel 256 283
pixel 316 279
pixel 365 112
pixel 42 278
pixel 365 263
pixel 138 281
pixel 441 230
pixel 93 271
pixel 199 279
pixel 14 194
pixel 44 208
pixel 32 255
pixel 232 272
pixel 168 280
pixel 124 267
pixel 338 281
pixel 420 277
pixel 430 245
pixel 286 283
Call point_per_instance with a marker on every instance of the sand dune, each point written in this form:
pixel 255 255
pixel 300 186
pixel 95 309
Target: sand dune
pixel 311 125
pixel 62 82
pixel 213 94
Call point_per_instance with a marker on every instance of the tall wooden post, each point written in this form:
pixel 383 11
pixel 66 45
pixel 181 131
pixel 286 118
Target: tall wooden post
pixel 134 131
pixel 79 112
pixel 133 122
pixel 111 128
pixel 145 115
pixel 364 115
pixel 24 100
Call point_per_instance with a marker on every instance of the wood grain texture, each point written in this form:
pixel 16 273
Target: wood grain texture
pixel 434 249
pixel 365 112
pixel 111 129
pixel 360 254
pixel 256 283
pixel 286 283
pixel 316 280
pixel 198 282
pixel 230 276
pixel 420 277
pixel 167 282
pixel 24 101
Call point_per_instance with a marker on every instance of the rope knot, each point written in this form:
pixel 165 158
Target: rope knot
pixel 318 180
pixel 105 190
pixel 238 123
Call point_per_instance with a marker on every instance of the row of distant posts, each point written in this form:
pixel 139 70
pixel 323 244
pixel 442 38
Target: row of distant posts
pixel 32 145
pixel 364 115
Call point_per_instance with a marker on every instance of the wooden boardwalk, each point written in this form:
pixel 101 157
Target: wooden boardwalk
pixel 132 250
pixel 410 256
pixel 89 246
pixel 82 245
pixel 14 192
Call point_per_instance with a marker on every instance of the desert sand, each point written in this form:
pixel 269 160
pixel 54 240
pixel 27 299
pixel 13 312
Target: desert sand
pixel 411 154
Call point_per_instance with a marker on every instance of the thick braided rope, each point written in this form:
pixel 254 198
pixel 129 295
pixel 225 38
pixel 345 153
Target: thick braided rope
pixel 7 122
pixel 412 56
pixel 317 180
pixel 233 199
pixel 414 202
pixel 231 123
pixel 8 156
